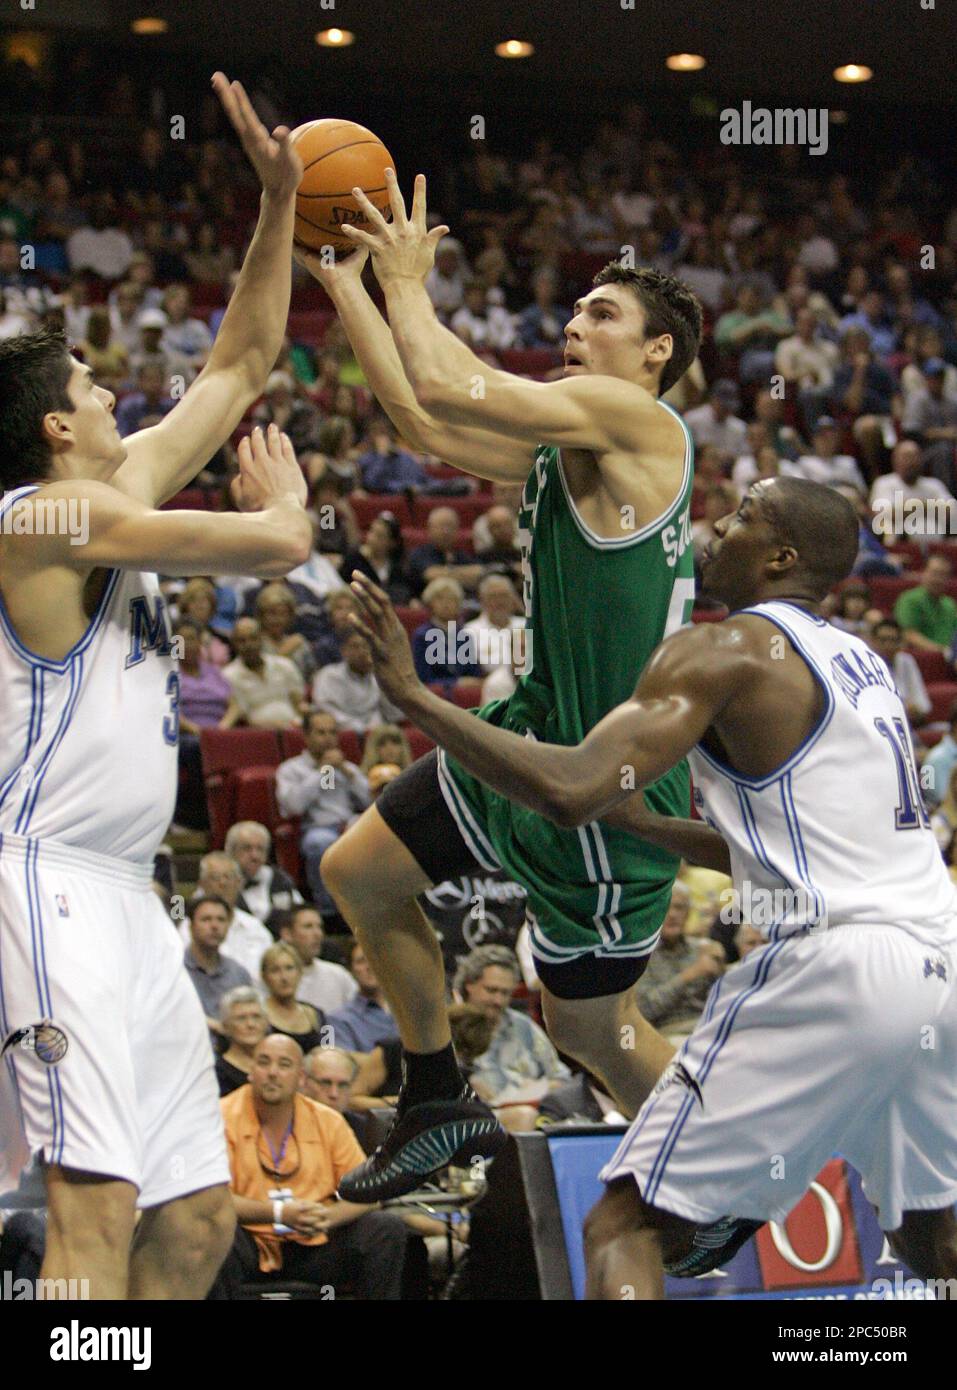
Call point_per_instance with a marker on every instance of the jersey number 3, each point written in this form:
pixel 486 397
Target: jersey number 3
pixel 171 721
pixel 910 811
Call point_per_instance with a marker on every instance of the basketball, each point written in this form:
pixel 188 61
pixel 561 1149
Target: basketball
pixel 337 156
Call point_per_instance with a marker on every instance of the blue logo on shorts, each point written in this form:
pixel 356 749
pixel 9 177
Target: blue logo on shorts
pixel 935 967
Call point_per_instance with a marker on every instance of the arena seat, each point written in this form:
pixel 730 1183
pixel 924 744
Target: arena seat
pixel 468 508
pixel 946 548
pixel 286 848
pixel 529 361
pixel 885 590
pixel 410 618
pixel 224 752
pixel 193 499
pixel 467 696
pixel 942 695
pixel 254 795
pixel 366 509
pixel 351 745
pixel 908 551
pixel 308 325
pixel 419 742
pixel 934 666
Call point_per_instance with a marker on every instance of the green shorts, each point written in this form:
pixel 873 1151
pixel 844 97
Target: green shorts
pixel 593 890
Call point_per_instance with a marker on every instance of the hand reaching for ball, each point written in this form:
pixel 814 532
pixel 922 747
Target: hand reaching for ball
pixel 274 157
pixel 403 249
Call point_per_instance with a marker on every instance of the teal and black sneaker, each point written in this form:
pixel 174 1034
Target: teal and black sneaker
pixel 423 1139
pixel 713 1246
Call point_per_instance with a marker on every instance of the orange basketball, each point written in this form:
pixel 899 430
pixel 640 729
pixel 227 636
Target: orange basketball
pixel 337 156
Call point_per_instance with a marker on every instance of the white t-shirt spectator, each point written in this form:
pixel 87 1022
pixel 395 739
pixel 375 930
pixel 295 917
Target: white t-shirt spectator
pixel 494 329
pixel 910 684
pixel 809 364
pixel 841 470
pixel 326 986
pixel 107 252
pixel 267 697
pixel 356 701
pixel 729 435
pixel 494 643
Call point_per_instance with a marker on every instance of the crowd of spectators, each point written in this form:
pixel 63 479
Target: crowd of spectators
pixel 830 353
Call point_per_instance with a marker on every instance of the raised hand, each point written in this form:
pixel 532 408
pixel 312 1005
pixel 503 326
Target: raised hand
pixel 391 653
pixel 403 248
pixel 268 468
pixel 273 157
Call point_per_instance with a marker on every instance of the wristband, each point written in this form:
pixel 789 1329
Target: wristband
pixel 277 1221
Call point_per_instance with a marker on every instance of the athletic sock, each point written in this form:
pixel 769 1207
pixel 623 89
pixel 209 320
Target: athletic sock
pixel 430 1076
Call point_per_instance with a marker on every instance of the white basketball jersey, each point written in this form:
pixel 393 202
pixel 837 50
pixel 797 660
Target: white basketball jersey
pixel 839 833
pixel 88 753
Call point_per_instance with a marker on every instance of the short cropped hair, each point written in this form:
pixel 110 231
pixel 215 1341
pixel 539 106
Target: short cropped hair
pixel 670 307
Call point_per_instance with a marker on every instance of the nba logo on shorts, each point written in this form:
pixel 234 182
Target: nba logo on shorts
pixel 62 906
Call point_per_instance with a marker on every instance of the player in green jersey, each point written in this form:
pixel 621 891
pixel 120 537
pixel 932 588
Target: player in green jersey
pixel 607 563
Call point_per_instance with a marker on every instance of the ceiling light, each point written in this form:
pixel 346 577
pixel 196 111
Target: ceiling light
pixel 685 62
pixel 514 48
pixel 335 38
pixel 853 72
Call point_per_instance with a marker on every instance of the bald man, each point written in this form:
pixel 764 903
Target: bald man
pixel 267 691
pixel 287 1154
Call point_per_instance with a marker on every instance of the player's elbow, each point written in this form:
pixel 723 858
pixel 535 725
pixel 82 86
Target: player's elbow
pixel 567 807
pixel 432 394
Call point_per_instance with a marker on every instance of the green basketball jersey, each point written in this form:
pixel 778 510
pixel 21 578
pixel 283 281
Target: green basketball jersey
pixel 596 608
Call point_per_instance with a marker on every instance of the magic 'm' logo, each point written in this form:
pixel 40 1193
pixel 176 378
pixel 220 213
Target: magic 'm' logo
pixel 149 630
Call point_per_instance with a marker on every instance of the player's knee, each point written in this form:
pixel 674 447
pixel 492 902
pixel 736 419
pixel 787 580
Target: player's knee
pixel 620 1210
pixel 200 1232
pixel 341 869
pixel 90 1218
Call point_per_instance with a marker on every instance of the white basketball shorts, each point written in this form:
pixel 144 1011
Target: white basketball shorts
pixel 841 1041
pixel 85 943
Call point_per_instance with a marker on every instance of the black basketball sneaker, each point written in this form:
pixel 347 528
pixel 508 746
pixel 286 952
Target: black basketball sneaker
pixel 713 1246
pixel 423 1139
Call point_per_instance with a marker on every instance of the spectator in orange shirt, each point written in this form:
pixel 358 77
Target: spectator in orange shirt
pixel 286 1156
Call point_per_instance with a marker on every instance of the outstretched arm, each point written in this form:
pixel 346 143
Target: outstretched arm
pixel 451 383
pixel 689 680
pixel 477 451
pixel 164 458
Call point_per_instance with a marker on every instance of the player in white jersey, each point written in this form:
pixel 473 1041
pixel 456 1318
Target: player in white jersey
pixel 840 1033
pixel 107 1069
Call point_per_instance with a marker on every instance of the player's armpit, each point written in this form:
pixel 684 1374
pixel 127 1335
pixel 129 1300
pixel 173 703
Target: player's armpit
pixel 122 533
pixel 584 412
pixel 167 457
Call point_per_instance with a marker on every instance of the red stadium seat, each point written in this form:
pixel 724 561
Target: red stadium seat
pixel 191 499
pixel 254 790
pixel 946 548
pixel 308 325
pixel 286 846
pixel 909 552
pixel 934 666
pixel 366 509
pixel 886 590
pixel 419 742
pixel 468 508
pixel 351 745
pixel 529 361
pixel 942 695
pixel 291 742
pixel 467 696
pixel 411 618
pixel 931 736
pixel 224 752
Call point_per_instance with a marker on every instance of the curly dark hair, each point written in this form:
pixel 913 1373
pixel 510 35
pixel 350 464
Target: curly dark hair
pixel 670 307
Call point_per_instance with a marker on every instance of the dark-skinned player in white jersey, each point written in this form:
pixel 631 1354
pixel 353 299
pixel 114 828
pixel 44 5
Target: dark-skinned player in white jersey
pixel 839 1033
